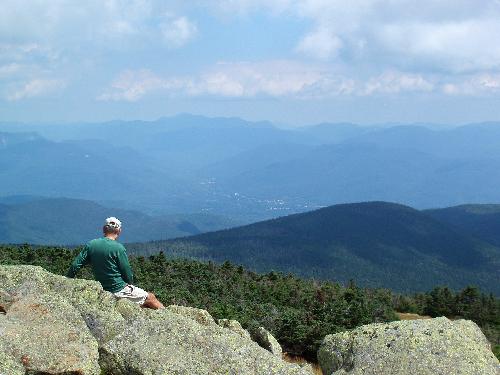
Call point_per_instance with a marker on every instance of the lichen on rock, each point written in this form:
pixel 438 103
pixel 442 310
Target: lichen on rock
pixel 426 347
pixel 42 331
pixel 55 325
pixel 235 326
pixel 199 315
pixel 8 363
pixel 264 338
pixel 173 343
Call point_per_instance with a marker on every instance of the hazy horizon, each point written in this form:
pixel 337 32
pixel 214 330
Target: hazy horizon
pixel 284 125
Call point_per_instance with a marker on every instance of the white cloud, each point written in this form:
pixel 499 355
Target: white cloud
pixel 132 85
pixel 479 84
pixel 238 79
pixel 490 82
pixel 93 27
pixel 53 21
pixel 322 44
pixel 449 35
pixel 278 79
pixel 250 79
pixel 293 79
pixel 44 39
pixel 395 82
pixel 456 46
pixel 359 47
pixel 178 31
pixel 122 18
pixel 34 88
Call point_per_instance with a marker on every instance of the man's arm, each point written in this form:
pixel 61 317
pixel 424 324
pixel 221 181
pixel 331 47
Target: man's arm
pixel 124 266
pixel 81 260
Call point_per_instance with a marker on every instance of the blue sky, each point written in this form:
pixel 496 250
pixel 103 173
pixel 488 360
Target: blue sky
pixel 291 62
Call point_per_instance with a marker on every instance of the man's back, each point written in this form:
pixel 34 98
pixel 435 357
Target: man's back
pixel 109 262
pixel 111 268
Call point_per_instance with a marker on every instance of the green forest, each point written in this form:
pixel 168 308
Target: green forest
pixel 298 312
pixel 379 244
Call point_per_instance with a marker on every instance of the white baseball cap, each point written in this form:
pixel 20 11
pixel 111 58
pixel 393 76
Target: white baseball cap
pixel 113 222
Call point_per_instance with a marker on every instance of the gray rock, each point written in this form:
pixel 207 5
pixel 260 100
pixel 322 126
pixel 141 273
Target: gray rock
pixel 5 301
pixel 170 343
pixel 424 347
pixel 235 326
pixel 262 337
pixel 57 325
pixel 96 306
pixel 8 364
pixel 128 309
pixel 198 315
pixel 307 367
pixel 46 333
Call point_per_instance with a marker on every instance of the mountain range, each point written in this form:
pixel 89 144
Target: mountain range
pixel 377 244
pixel 250 171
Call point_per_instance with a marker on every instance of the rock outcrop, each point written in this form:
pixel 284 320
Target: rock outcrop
pixel 264 338
pixel 425 347
pixel 234 326
pixel 198 315
pixel 53 325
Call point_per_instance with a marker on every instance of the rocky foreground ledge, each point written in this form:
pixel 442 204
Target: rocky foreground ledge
pixel 414 347
pixel 50 324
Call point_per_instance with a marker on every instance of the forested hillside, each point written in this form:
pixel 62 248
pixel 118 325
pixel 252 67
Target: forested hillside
pixel 479 220
pixel 378 244
pixel 299 312
pixel 63 221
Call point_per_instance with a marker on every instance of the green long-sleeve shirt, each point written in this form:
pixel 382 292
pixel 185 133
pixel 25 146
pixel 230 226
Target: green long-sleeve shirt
pixel 109 262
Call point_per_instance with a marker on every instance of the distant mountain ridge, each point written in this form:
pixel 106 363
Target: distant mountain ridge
pixel 250 170
pixel 8 139
pixel 62 221
pixel 376 244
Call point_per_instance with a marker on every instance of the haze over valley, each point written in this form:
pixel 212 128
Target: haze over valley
pixel 249 171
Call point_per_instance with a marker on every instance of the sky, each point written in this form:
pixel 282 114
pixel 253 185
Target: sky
pixel 290 62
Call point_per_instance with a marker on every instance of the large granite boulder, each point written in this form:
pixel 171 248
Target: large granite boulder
pixel 169 343
pixel 43 332
pixel 50 324
pixel 95 306
pixel 425 347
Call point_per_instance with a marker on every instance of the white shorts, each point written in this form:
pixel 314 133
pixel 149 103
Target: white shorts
pixel 133 294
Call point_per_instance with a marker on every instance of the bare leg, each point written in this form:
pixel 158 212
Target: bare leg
pixel 152 302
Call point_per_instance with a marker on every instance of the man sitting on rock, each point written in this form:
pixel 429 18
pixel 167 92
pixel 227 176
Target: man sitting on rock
pixel 111 268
